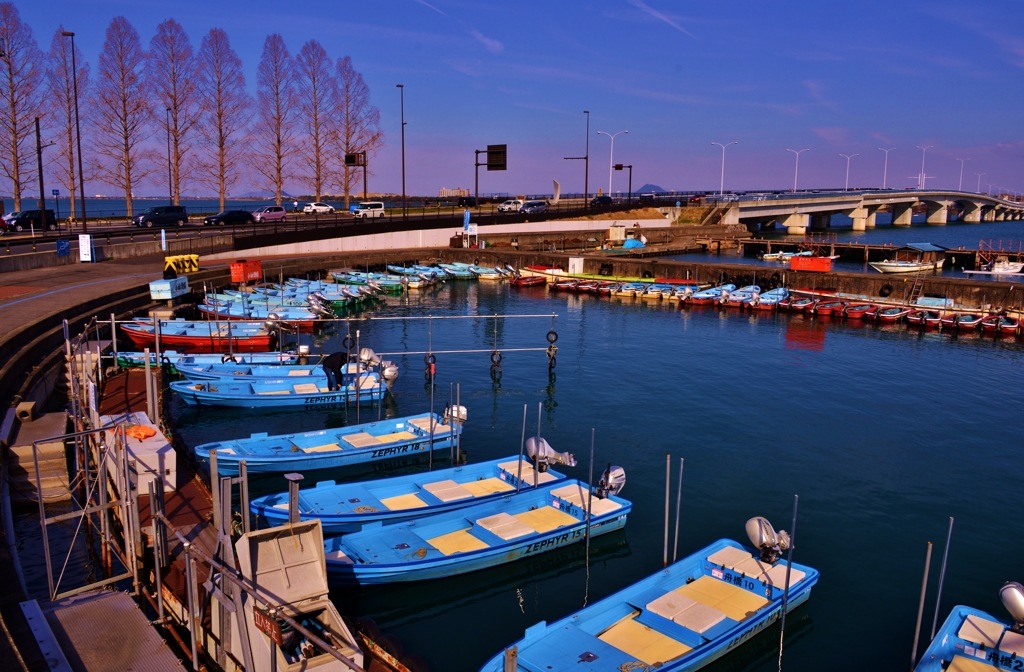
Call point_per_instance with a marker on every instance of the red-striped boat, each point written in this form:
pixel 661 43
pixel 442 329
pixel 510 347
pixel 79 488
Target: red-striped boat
pixel 925 318
pixel 828 307
pixel 606 287
pixel 891 314
pixel 963 321
pixel 801 305
pixel 527 281
pixel 857 311
pixel 1001 324
pixel 205 336
pixel 566 285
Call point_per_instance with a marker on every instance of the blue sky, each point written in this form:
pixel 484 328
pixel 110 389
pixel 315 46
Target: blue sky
pixel 833 77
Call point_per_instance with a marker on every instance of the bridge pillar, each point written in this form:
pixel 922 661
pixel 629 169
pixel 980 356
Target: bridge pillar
pixel 821 221
pixel 901 214
pixel 938 212
pixel 863 217
pixel 971 212
pixel 989 215
pixel 732 215
pixel 796 224
pixel 1000 215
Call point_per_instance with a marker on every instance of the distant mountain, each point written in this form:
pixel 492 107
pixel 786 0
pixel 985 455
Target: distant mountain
pixel 649 189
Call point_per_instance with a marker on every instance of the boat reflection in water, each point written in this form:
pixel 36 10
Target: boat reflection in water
pixel 391 606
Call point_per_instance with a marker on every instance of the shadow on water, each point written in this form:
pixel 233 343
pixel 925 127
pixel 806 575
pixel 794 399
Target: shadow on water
pixel 762 651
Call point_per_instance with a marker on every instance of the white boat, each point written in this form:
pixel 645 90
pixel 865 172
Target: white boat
pixel 1003 266
pixel 893 266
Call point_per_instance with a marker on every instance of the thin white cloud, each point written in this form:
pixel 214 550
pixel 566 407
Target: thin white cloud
pixel 817 92
pixel 427 4
pixel 644 7
pixel 493 46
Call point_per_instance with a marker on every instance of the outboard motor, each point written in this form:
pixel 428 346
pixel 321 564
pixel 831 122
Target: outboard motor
pixel 542 454
pixel 456 414
pixel 1012 596
pixel 369 356
pixel 763 536
pixel 613 480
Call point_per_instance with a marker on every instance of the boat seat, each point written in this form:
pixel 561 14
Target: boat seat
pixel 299 372
pixel 699 618
pixel 360 439
pixel 670 604
pixel 965 664
pixel 981 631
pixel 756 569
pixel 326 448
pixel 424 424
pixel 505 526
pixel 730 556
pixel 735 602
pixel 546 518
pixel 487 486
pixel 460 541
pixel 601 506
pixel 447 490
pixel 402 502
pixel 642 642
pixel 275 392
pixel 776 576
pixel 395 436
pixel 1013 642
pixel 306 388
pixel 512 467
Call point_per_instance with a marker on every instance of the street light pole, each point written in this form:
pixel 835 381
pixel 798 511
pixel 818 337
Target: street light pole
pixel 401 88
pixel 170 182
pixel 885 171
pixel 921 182
pixel 796 171
pixel 961 187
pixel 611 157
pixel 847 187
pixel 979 181
pixel 721 184
pixel 39 166
pixel 78 131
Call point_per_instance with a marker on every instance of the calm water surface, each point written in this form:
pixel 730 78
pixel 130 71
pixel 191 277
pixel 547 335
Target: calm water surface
pixel 884 433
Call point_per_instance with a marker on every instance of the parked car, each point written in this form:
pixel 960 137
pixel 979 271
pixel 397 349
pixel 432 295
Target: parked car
pixel 600 201
pixel 467 202
pixel 229 217
pixel 511 205
pixel 270 213
pixel 531 207
pixel 27 219
pixel 164 215
pixel 318 208
pixel 696 198
pixel 369 210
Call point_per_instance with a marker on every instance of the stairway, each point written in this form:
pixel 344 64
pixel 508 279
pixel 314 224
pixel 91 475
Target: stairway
pixel 53 467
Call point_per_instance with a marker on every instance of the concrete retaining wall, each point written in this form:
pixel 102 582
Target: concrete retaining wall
pixel 105 252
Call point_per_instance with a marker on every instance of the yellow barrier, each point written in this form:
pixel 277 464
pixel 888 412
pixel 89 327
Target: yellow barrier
pixel 182 263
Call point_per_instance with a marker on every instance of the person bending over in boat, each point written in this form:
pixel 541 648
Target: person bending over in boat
pixel 333 365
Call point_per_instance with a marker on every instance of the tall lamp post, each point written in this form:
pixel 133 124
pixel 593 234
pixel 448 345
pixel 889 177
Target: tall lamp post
pixel 586 164
pixel 796 171
pixel 921 182
pixel 170 182
pixel 885 170
pixel 78 131
pixel 848 157
pixel 721 184
pixel 962 161
pixel 401 88
pixel 979 181
pixel 611 157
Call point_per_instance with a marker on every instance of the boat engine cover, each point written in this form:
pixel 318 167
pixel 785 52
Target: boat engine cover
pixel 763 536
pixel 1012 595
pixel 541 451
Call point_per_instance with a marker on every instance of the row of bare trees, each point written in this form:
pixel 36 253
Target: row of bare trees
pixel 308 112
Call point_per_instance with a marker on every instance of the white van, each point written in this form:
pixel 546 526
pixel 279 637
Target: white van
pixel 369 209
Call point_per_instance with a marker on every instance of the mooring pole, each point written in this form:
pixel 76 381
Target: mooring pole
pixel 920 605
pixel 679 499
pixel 668 478
pixel 522 445
pixel 789 569
pixel 942 576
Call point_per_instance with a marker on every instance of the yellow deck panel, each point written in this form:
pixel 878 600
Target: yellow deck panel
pixel 300 372
pixel 965 664
pixel 460 541
pixel 424 424
pixel 326 448
pixel 741 605
pixel 641 642
pixel 777 576
pixel 306 388
pixel 700 618
pixel 546 518
pixel 1012 643
pixel 487 486
pixel 395 436
pixel 401 502
pixel 981 631
pixel 730 556
pixel 361 439
pixel 275 392
pixel 734 602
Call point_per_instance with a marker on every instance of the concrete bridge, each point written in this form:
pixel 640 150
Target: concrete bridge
pixel 798 212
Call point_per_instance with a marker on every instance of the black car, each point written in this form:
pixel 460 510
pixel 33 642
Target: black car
pixel 600 201
pixel 164 215
pixel 28 219
pixel 229 217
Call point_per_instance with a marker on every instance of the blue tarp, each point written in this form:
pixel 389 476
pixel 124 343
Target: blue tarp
pixel 631 243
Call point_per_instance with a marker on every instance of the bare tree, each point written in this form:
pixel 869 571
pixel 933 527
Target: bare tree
pixel 20 88
pixel 274 129
pixel 226 109
pixel 121 112
pixel 316 88
pixel 358 123
pixel 171 74
pixel 61 80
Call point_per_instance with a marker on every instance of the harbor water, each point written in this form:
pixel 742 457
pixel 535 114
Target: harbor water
pixel 883 431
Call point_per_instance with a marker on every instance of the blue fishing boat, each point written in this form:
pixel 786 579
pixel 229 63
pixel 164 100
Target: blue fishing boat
pixel 179 359
pixel 709 295
pixel 280 392
pixel 457 271
pixel 769 300
pixel 971 640
pixel 681 618
pixel 346 507
pixel 330 448
pixel 232 297
pixel 478 536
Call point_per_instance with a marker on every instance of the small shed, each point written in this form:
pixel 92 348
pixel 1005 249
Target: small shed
pixel 920 252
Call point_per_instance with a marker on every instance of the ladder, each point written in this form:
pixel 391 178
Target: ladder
pixel 917 288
